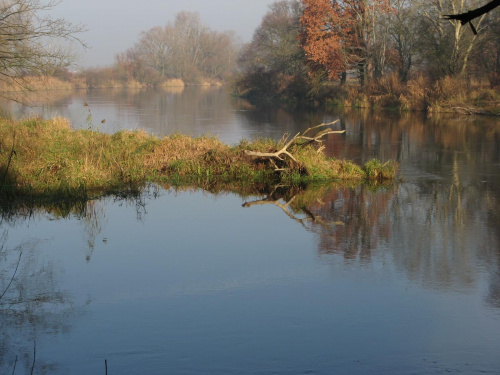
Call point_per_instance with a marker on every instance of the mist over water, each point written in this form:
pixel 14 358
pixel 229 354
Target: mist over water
pixel 400 279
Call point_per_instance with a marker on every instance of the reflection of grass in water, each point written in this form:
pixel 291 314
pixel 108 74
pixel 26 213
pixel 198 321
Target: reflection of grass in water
pixel 52 161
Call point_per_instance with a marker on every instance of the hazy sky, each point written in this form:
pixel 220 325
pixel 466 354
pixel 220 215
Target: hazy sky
pixel 114 25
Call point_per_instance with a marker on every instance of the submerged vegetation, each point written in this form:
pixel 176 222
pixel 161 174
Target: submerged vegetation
pixel 43 160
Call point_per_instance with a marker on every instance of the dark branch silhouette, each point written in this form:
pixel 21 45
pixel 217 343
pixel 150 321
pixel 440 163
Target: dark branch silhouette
pixel 467 17
pixel 13 276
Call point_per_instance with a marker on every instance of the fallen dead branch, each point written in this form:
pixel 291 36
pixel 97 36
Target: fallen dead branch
pixel 473 111
pixel 300 139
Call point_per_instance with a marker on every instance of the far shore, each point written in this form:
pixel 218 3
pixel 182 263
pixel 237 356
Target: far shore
pixel 447 95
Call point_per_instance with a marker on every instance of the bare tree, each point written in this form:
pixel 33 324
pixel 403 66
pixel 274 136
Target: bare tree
pixel 32 43
pixel 219 53
pixel 402 29
pixel 275 45
pixel 447 46
pixel 184 49
pixel 156 47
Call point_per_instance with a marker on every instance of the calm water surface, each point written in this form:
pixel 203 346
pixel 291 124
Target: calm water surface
pixel 399 280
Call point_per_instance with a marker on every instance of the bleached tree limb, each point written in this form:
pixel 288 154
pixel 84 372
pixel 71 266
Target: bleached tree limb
pixel 276 154
pixel 297 139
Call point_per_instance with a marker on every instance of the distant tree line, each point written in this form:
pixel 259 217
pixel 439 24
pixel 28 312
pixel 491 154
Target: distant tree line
pixel 185 49
pixel 301 44
pixel 299 48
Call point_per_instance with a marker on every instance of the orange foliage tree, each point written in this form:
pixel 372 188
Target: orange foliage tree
pixel 327 35
pixel 340 35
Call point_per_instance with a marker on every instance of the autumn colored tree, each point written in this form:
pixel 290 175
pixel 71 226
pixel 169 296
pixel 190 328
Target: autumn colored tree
pixel 341 35
pixel 327 36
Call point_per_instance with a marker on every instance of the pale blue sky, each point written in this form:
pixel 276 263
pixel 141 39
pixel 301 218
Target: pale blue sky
pixel 114 25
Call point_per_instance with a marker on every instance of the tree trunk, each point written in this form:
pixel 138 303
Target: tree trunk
pixel 498 58
pixel 362 73
pixel 343 78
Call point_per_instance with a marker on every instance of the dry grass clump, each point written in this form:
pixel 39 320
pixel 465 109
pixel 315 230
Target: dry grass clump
pixel 28 83
pixel 182 155
pixel 448 94
pixel 173 82
pixel 49 157
pixel 316 167
pixel 415 95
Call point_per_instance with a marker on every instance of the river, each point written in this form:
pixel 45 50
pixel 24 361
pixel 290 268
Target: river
pixel 403 279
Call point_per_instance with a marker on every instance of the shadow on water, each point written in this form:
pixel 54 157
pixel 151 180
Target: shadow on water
pixel 33 304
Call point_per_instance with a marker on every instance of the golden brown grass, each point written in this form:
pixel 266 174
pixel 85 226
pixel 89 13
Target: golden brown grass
pixel 29 84
pixel 46 158
pixel 173 82
pixel 448 94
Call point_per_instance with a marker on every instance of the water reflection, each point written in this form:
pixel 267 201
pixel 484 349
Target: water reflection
pixel 413 266
pixel 425 144
pixel 439 234
pixel 193 111
pixel 427 233
pixel 441 240
pixel 421 143
pixel 32 305
pixel 451 164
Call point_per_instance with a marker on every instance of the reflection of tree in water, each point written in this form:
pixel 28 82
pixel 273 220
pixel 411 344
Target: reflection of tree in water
pixel 32 306
pixel 33 103
pixel 493 297
pixel 438 232
pixel 89 212
pixel 363 214
pixel 93 217
pixel 350 221
pixel 446 223
pixel 412 136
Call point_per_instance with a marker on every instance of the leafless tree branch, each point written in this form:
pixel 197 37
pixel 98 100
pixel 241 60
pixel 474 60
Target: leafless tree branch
pixel 467 17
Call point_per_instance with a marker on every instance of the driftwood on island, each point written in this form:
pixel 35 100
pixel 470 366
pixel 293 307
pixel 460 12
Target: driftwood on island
pixel 300 139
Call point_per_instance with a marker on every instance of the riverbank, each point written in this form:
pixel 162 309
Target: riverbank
pixel 446 95
pixel 87 80
pixel 47 160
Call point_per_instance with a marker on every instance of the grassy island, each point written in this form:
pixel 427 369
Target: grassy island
pixel 43 160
